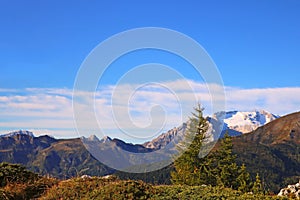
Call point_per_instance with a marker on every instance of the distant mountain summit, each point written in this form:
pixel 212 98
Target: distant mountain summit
pixel 20 132
pixel 105 139
pixel 165 138
pixel 238 122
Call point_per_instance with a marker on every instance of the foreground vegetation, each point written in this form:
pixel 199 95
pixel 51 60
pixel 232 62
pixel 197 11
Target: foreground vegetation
pixel 99 188
pixel 17 183
pixel 112 188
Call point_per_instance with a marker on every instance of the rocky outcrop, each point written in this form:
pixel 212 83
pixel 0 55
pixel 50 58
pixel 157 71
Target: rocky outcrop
pixel 292 191
pixel 164 139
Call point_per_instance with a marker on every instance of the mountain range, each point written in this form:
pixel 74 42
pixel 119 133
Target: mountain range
pixel 270 149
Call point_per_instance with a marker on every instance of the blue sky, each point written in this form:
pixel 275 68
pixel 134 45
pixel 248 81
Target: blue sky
pixel 255 44
pixel 44 42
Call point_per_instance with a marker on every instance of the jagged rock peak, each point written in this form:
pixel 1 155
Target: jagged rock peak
pixel 93 138
pixel 106 139
pixel 165 138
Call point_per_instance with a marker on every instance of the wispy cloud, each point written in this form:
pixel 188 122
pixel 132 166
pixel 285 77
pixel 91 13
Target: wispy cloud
pixel 131 107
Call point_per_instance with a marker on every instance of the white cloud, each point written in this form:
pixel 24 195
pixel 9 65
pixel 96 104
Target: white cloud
pixel 132 106
pixel 277 100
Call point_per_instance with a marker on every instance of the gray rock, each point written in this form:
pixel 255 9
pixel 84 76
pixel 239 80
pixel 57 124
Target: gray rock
pixel 291 191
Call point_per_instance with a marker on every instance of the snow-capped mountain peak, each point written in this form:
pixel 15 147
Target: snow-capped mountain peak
pixel 245 122
pixel 19 132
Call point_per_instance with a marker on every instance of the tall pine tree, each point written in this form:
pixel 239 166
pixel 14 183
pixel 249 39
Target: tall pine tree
pixel 189 167
pixel 226 169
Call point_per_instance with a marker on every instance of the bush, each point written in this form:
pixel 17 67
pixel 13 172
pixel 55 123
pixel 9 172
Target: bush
pixel 123 190
pixel 14 173
pixel 180 192
pixel 20 191
pixel 18 183
pixel 76 188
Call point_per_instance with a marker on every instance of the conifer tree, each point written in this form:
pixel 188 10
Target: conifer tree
pixel 189 167
pixel 243 179
pixel 226 171
pixel 257 186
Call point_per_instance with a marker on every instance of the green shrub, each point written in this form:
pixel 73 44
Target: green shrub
pixel 123 190
pixel 76 188
pixel 180 192
pixel 14 173
pixel 32 190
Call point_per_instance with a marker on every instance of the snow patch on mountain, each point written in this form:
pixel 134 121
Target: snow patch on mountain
pixel 19 132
